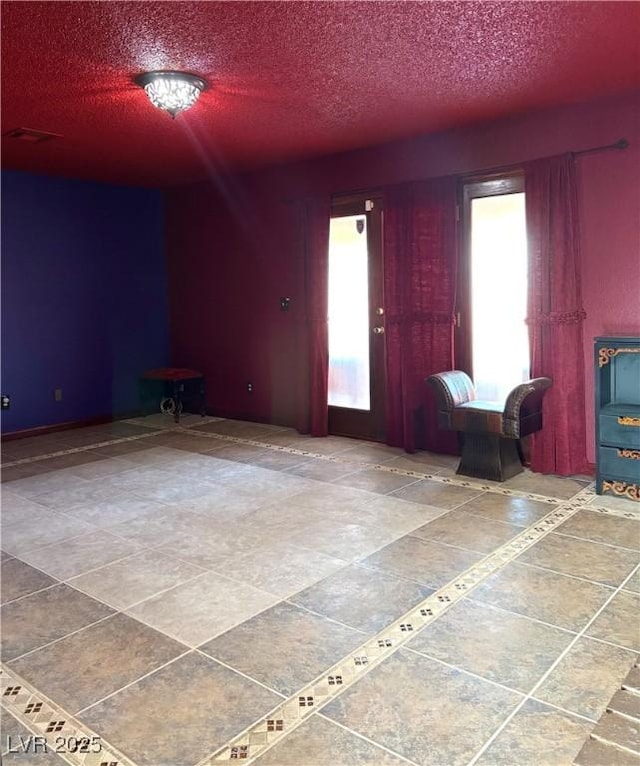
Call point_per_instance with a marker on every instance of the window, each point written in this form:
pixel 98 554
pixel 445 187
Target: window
pixel 494 280
pixel 349 374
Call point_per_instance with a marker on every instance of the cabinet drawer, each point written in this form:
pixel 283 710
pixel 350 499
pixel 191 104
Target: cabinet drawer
pixel 623 431
pixel 620 463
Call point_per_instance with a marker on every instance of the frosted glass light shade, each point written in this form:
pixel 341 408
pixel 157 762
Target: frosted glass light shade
pixel 171 91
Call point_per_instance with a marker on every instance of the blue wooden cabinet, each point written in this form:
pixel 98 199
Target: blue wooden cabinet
pixel 617 367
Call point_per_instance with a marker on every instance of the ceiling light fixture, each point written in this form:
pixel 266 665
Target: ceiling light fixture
pixel 172 91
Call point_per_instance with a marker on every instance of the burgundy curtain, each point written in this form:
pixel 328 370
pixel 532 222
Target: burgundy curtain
pixel 420 287
pixel 555 313
pixel 314 218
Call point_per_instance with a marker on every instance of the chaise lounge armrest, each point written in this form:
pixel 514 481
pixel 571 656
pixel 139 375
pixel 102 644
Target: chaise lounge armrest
pixel 523 408
pixel 452 389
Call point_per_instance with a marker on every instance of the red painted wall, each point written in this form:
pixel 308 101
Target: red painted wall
pixel 232 254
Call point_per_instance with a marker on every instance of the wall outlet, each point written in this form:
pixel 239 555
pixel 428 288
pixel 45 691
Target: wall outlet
pixel 5 401
pixel 57 394
pixel 250 387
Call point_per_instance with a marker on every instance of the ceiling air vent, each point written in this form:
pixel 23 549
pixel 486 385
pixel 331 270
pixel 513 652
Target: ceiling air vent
pixel 32 136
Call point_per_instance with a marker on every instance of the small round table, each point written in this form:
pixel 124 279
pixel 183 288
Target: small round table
pixel 172 386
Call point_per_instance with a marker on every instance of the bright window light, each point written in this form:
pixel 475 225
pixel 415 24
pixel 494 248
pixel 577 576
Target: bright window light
pixel 349 313
pixel 499 295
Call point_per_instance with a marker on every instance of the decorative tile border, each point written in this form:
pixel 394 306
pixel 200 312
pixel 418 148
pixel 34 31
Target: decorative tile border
pixel 166 422
pixel 84 448
pixel 153 430
pixel 632 513
pixel 414 474
pixel 72 741
pixel 253 742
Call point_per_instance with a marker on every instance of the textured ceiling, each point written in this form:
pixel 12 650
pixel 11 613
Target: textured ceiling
pixel 290 79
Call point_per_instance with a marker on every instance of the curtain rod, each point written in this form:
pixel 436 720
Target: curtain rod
pixel 621 143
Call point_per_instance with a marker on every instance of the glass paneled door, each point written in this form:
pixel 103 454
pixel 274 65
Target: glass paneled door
pixel 356 320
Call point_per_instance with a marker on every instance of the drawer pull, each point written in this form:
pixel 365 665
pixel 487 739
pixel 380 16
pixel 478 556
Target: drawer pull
pixel 627 421
pixel 630 454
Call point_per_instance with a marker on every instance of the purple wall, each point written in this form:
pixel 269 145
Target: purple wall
pixel 84 297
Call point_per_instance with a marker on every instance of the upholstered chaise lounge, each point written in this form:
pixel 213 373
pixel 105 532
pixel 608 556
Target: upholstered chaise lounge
pixel 490 432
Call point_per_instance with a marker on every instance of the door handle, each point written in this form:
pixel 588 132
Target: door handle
pixel 378 330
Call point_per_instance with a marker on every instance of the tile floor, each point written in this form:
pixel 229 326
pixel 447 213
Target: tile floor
pixel 230 591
